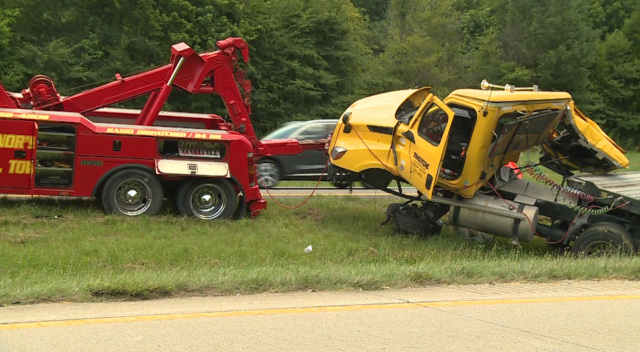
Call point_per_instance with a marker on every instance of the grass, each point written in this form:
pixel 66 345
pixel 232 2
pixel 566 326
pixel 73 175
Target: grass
pixel 87 256
pixel 634 161
pixel 304 184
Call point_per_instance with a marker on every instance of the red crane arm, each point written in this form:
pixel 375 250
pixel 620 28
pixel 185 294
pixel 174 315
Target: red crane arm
pixel 207 73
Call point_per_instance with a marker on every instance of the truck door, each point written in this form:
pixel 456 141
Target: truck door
pixel 17 142
pixel 421 143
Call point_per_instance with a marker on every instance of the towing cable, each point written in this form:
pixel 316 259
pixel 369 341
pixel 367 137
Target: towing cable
pixel 306 200
pixel 326 164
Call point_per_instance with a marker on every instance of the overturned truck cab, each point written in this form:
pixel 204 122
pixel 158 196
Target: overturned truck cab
pixel 454 152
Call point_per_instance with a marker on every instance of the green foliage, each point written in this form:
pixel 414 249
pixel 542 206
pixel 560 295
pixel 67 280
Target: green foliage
pixel 312 58
pixel 308 59
pixel 607 16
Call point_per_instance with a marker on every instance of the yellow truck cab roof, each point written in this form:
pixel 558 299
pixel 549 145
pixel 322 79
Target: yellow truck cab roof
pixel 592 150
pixel 496 96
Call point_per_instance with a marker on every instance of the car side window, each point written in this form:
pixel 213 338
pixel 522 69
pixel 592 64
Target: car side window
pixel 433 124
pixel 328 129
pixel 313 132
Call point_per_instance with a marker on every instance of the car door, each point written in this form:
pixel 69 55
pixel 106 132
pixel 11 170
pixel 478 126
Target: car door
pixel 420 144
pixel 312 161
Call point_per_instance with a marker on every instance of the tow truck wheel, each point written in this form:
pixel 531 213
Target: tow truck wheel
pixel 208 199
pixel 132 192
pixel 603 238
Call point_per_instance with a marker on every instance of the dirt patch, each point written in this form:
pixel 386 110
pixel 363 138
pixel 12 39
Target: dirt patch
pixel 21 238
pixel 372 252
pixel 311 214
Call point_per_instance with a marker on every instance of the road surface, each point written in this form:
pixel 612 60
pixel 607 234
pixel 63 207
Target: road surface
pixel 562 316
pixel 332 191
pixel 287 192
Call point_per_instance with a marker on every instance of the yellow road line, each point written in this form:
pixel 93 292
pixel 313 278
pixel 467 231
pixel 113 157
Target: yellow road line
pixel 326 309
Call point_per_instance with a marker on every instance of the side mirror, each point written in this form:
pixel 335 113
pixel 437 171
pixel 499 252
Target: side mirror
pixel 345 120
pixel 346 117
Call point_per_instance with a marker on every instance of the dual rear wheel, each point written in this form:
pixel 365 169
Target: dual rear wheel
pixel 207 199
pixel 604 238
pixel 134 192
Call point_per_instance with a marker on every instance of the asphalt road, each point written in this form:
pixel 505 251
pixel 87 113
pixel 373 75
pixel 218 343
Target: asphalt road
pixel 332 191
pixel 563 316
pixel 293 192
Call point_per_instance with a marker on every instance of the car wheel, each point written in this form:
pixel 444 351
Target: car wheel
pixel 208 199
pixel 268 174
pixel 132 192
pixel 603 238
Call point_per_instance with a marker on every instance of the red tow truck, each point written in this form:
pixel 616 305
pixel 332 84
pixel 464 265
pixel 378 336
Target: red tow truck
pixel 131 160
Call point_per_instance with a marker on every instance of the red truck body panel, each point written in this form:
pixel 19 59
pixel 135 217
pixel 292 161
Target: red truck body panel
pixel 36 160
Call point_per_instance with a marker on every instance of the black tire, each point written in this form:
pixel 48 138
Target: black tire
pixel 269 173
pixel 132 192
pixel 406 220
pixel 341 184
pixel 208 199
pixel 378 184
pixel 176 194
pixel 603 238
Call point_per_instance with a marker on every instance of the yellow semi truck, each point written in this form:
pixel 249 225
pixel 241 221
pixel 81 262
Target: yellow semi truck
pixel 455 151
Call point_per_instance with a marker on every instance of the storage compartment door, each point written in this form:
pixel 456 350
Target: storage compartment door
pixel 17 144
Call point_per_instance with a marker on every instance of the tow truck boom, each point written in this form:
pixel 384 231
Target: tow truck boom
pixel 208 73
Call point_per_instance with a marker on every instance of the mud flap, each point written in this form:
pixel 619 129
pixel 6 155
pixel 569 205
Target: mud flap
pixel 241 211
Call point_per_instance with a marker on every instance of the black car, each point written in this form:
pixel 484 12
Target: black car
pixel 307 165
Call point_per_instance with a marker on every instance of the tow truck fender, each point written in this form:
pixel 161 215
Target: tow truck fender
pixel 109 173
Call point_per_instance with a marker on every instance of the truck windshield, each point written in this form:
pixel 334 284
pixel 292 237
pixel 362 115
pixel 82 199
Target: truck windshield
pixel 525 132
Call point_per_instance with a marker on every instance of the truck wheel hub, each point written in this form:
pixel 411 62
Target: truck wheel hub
pixel 599 248
pixel 207 198
pixel 133 197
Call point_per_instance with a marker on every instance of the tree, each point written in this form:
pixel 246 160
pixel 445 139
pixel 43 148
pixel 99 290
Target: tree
pixel 307 61
pixel 422 47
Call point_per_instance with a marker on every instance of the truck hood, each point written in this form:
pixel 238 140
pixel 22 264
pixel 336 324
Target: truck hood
pixel 382 109
pixel 581 145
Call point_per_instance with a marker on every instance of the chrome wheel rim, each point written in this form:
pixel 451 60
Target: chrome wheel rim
pixel 208 201
pixel 269 174
pixel 133 197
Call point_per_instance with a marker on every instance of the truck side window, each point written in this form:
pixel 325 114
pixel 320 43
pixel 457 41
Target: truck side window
pixel 433 124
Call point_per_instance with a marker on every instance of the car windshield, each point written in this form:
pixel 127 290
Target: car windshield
pixel 283 132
